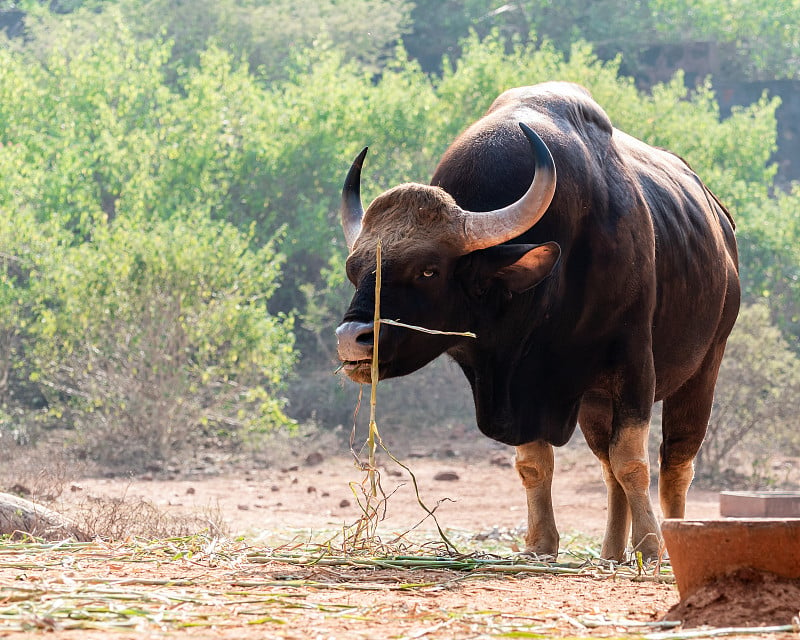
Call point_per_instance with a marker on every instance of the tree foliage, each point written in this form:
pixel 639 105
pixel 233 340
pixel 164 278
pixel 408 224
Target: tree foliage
pixel 765 36
pixel 758 395
pixel 264 34
pixel 155 330
pixel 140 313
pixel 756 39
pixel 158 166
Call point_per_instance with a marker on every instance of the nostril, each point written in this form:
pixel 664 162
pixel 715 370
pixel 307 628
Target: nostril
pixel 367 338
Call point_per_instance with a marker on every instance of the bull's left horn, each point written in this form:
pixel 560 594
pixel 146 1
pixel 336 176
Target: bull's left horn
pixel 490 228
pixel 351 209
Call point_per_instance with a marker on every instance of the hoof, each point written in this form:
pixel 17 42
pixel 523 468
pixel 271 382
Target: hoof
pixel 651 547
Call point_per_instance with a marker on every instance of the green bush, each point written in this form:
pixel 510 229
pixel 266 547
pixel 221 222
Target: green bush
pixel 24 246
pixel 152 334
pixel 756 405
pixel 105 134
pixel 104 137
pixel 769 241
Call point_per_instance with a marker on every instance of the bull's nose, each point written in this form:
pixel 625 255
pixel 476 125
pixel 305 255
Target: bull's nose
pixel 354 341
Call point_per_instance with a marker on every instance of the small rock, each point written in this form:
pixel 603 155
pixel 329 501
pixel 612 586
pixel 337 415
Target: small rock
pixel 446 476
pixel 274 488
pixel 311 490
pixel 325 494
pixel 344 504
pixel 74 488
pixel 243 507
pixel 190 491
pixel 294 467
pixel 314 458
pixel 500 460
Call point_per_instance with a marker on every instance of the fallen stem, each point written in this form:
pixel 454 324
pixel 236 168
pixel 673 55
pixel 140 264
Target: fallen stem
pixel 397 323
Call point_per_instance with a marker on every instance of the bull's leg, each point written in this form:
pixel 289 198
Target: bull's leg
pixel 683 435
pixel 685 420
pixel 632 402
pixel 631 467
pixel 595 419
pixel 618 521
pixel 535 465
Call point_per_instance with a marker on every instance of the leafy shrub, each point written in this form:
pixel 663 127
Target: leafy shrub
pixel 769 241
pixel 24 244
pixel 756 405
pixel 151 334
pixel 101 138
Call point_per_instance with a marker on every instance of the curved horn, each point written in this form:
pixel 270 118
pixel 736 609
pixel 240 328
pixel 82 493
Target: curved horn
pixel 351 209
pixel 490 228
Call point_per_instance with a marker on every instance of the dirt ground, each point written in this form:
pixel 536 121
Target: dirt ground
pixel 477 492
pixel 240 590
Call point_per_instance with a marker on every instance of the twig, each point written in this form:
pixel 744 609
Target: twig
pixel 374 373
pixel 397 323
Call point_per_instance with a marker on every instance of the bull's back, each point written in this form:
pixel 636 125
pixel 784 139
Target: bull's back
pixel 604 175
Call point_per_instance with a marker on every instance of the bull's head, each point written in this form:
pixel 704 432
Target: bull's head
pixel 443 268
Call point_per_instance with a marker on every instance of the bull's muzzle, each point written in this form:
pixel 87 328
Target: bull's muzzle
pixel 354 342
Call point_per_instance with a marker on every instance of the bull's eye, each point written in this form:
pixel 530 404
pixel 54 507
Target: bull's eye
pixel 428 273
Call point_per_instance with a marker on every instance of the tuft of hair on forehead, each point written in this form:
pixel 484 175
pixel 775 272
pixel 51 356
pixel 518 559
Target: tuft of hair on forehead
pixel 414 213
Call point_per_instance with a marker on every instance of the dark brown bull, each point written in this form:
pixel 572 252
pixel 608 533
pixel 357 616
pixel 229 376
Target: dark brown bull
pixel 592 296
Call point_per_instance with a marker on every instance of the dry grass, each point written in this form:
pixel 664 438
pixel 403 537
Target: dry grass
pixel 123 518
pixel 39 474
pixel 187 586
pixel 199 581
pixel 150 572
pixel 42 476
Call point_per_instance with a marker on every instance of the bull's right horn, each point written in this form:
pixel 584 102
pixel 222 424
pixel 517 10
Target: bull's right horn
pixel 490 228
pixel 351 209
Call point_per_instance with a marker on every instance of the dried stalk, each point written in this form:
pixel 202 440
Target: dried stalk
pixel 364 529
pixel 413 327
pixel 374 373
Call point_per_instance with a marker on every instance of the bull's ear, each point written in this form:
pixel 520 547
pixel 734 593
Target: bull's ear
pixel 533 266
pixel 517 267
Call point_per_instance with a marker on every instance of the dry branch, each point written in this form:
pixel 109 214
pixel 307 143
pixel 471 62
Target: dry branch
pixel 19 517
